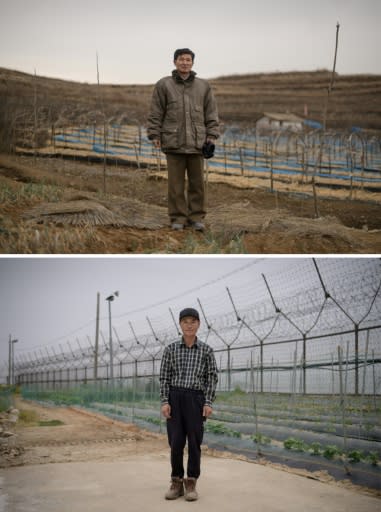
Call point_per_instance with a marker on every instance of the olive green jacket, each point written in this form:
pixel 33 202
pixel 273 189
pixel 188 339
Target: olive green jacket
pixel 183 114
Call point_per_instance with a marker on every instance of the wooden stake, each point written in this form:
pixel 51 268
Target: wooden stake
pixel 35 119
pixel 330 87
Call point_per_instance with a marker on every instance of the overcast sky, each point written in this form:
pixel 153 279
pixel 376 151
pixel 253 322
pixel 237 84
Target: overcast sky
pixel 136 39
pixel 50 301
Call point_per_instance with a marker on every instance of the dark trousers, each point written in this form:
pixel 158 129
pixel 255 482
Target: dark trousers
pixel 185 205
pixel 186 423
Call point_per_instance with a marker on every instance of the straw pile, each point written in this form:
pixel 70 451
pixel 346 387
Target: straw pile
pixel 245 218
pixel 89 212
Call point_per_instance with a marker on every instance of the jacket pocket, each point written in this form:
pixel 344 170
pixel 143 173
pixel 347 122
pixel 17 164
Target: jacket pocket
pixel 198 114
pixel 169 138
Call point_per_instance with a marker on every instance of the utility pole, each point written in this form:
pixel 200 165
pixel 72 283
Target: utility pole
pixel 109 299
pixel 11 361
pixel 96 341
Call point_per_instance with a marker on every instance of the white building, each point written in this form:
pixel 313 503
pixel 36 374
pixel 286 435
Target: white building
pixel 279 121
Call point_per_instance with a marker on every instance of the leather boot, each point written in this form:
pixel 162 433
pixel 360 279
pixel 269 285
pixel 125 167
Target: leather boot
pixel 190 489
pixel 176 489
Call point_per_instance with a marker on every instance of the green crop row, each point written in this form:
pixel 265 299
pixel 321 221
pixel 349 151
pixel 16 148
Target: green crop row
pixel 330 451
pixel 216 427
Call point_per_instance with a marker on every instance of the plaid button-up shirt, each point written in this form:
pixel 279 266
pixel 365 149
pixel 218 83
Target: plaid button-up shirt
pixel 188 367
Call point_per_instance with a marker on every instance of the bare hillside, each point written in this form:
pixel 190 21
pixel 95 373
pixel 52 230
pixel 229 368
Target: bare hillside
pixel 355 100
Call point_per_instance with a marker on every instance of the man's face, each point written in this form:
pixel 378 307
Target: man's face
pixel 184 63
pixel 189 326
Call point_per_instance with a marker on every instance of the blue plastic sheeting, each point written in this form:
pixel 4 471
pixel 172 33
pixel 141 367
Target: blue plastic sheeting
pixel 87 136
pixel 313 124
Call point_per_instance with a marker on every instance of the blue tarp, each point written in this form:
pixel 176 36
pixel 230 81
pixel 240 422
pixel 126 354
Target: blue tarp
pixel 249 156
pixel 313 124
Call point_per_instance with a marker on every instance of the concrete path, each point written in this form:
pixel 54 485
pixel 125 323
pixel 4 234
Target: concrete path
pixel 139 483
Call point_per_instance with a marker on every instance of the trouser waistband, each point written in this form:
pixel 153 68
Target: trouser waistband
pixel 186 390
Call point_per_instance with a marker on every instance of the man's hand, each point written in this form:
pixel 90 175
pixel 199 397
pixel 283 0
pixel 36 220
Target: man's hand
pixel 166 411
pixel 207 411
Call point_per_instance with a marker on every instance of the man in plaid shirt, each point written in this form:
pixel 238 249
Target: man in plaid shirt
pixel 188 380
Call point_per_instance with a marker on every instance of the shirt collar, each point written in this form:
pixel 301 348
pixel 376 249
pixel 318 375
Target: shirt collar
pixel 194 344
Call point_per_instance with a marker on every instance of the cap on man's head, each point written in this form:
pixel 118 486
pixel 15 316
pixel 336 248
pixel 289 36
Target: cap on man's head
pixel 182 51
pixel 189 312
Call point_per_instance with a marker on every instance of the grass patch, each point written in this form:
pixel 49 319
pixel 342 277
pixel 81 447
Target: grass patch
pixel 27 239
pixel 30 192
pixel 50 423
pixel 214 243
pixel 28 417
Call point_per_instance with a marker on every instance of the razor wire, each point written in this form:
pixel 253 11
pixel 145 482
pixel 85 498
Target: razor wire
pixel 293 320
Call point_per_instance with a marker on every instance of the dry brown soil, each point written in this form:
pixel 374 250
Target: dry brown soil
pixel 83 436
pixel 240 219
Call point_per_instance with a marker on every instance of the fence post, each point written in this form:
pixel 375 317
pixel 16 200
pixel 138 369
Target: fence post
pixel 365 364
pixel 374 381
pixel 253 390
pixel 261 363
pixel 356 359
pixel 304 364
pixel 228 370
pixel 342 406
pixel 241 160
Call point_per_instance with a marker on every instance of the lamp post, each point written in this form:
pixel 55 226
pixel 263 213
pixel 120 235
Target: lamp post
pixel 11 360
pixel 109 299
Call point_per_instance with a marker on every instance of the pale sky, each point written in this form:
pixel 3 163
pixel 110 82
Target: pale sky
pixel 135 40
pixel 48 301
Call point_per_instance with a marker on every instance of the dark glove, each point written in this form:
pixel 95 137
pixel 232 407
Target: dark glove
pixel 208 149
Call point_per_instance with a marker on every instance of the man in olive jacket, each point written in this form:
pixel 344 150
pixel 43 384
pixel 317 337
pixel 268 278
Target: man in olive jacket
pixel 183 117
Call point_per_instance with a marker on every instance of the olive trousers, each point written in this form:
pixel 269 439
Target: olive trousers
pixel 185 204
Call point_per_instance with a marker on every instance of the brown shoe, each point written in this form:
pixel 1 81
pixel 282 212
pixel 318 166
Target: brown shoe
pixel 176 490
pixel 190 489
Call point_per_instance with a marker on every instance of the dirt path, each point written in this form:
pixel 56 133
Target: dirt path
pixel 82 436
pixel 106 464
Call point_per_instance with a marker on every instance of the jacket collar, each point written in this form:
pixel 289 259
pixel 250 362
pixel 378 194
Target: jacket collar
pixel 178 78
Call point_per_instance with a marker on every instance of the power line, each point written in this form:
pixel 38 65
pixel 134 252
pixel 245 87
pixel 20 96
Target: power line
pixel 187 292
pixel 150 306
